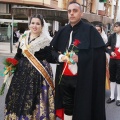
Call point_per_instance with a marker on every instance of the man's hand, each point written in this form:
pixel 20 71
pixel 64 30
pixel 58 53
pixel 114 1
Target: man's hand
pixel 113 54
pixel 109 47
pixel 65 58
pixel 75 58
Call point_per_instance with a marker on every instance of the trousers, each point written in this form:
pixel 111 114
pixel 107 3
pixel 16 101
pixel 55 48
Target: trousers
pixel 114 69
pixel 68 86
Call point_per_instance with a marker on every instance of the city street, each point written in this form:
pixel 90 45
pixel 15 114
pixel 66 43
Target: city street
pixel 112 111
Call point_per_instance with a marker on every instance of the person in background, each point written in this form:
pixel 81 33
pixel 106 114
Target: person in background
pixel 20 32
pixel 55 32
pixel 102 32
pixel 15 37
pixel 99 28
pixel 51 33
pixel 80 75
pixel 113 48
pixel 108 33
pixel 30 95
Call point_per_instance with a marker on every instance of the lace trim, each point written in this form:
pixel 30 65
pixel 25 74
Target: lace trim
pixel 39 43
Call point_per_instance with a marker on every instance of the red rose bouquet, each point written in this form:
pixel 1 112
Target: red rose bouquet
pixel 9 69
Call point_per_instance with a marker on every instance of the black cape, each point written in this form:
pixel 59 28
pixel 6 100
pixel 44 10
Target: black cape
pixel 90 90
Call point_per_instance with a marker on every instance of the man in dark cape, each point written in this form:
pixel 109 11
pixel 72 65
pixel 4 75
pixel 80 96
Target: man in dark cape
pixel 89 97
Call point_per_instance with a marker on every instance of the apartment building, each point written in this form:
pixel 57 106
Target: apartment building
pixel 18 12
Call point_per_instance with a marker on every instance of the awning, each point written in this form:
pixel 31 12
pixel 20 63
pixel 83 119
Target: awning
pixel 55 14
pixel 49 14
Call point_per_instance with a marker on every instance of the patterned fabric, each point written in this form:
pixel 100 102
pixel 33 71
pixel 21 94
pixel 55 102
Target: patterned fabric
pixel 29 96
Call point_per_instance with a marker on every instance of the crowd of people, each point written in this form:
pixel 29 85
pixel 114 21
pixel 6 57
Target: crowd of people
pixel 79 50
pixel 113 49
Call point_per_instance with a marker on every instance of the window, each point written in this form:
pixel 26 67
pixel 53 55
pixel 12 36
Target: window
pixel 4 8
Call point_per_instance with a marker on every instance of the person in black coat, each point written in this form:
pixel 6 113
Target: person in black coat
pixel 113 48
pixel 79 86
pixel 15 38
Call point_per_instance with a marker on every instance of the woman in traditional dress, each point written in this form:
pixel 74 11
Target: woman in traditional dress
pixel 30 95
pixel 105 39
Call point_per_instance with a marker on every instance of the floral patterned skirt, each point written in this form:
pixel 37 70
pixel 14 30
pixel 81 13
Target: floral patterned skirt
pixel 29 96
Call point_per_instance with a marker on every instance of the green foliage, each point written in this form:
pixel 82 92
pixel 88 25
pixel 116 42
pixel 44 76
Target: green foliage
pixel 6 63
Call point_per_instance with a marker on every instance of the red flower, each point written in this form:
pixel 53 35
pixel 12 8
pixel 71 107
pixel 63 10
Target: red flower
pixel 76 42
pixel 12 61
pixel 9 69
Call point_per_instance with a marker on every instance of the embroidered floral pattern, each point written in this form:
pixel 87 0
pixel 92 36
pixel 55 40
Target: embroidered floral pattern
pixel 30 93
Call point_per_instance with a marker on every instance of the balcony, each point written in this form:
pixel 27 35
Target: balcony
pixel 101 12
pixel 94 17
pixel 35 3
pixel 54 2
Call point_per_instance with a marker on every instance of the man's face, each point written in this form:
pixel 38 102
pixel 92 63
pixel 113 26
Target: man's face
pixel 117 29
pixel 74 13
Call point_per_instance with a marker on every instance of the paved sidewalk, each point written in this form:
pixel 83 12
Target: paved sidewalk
pixel 5 49
pixel 112 111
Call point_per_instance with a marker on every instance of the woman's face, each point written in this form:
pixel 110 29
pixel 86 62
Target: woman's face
pixel 35 26
pixel 98 29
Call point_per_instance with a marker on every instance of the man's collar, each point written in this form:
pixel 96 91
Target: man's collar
pixel 76 26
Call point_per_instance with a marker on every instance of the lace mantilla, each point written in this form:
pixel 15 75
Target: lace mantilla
pixel 39 43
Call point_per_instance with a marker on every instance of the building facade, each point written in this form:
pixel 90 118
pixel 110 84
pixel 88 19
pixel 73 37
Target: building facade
pixel 54 12
pixel 18 12
pixel 118 15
